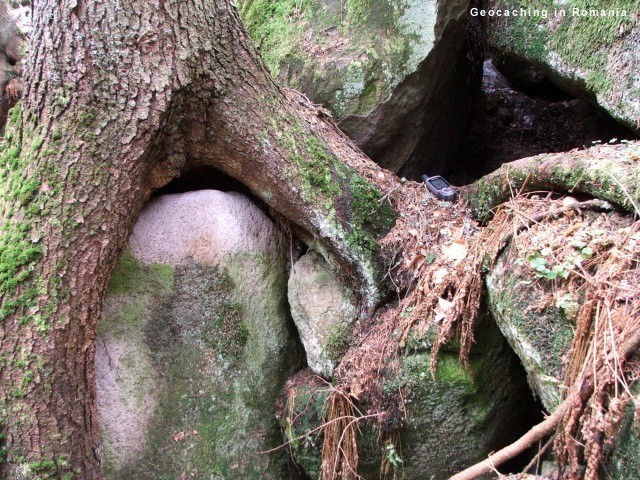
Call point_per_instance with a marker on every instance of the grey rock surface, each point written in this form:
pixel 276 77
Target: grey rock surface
pixel 394 73
pixel 452 421
pixel 195 343
pixel 589 54
pixel 323 311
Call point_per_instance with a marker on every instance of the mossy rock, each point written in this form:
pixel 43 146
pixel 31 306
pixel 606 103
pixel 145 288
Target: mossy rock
pixel 452 421
pixel 192 354
pixel 589 48
pixel 385 69
pixel 624 460
pixel 540 336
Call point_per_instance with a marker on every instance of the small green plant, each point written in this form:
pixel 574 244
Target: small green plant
pixel 392 455
pixel 407 312
pixel 541 267
pixel 568 305
pixel 538 261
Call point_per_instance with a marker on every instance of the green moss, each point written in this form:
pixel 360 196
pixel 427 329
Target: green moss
pixel 127 318
pixel 227 333
pixel 370 215
pixel 199 339
pixel 337 342
pixel 85 118
pixel 276 26
pixel 27 378
pixel 624 461
pixel 18 253
pixel 368 32
pixel 25 206
pixel 45 469
pixel 450 371
pixel 130 277
pixel 27 192
pixel 309 405
pixel 315 167
pixel 583 42
pixel 3 440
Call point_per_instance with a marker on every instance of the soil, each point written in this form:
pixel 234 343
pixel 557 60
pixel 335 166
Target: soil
pixel 509 124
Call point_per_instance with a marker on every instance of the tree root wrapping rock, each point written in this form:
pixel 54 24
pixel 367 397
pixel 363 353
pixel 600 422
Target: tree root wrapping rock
pixel 608 172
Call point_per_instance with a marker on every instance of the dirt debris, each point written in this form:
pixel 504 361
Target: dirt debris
pixel 438 277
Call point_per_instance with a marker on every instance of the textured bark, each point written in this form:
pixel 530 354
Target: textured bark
pixel 11 43
pixel 607 172
pixel 121 97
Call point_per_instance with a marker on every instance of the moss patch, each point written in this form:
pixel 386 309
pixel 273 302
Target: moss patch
pixel 276 27
pixel 305 42
pixel 130 277
pixel 337 343
pixel 308 411
pixel 370 215
pixel 218 365
pixel 594 46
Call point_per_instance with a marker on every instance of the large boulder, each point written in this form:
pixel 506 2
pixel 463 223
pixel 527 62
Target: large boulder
pixel 537 313
pixel 395 74
pixel 195 343
pixel 323 311
pixel 451 422
pixel 592 51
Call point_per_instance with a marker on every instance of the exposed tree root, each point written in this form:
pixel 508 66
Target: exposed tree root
pixel 340 450
pixel 438 257
pixel 608 172
pixel 580 393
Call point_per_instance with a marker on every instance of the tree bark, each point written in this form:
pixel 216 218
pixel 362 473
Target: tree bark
pixel 613 178
pixel 120 98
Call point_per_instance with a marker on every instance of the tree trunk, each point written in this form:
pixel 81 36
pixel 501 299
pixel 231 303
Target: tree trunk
pixel 119 99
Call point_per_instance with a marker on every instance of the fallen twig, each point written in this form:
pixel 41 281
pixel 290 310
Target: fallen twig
pixel 581 391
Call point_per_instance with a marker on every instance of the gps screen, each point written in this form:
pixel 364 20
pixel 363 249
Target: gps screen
pixel 438 183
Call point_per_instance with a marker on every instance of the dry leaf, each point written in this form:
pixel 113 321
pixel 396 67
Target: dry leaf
pixel 356 390
pixel 178 437
pixel 566 201
pixel 444 304
pixel 416 262
pixel 441 309
pixel 455 251
pixel 439 275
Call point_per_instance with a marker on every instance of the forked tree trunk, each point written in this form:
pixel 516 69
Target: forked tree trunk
pixel 119 98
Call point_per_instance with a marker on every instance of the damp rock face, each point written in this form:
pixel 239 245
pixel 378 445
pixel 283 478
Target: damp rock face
pixel 537 315
pixel 451 422
pixel 322 310
pixel 394 73
pixel 195 343
pixel 540 336
pixel 588 53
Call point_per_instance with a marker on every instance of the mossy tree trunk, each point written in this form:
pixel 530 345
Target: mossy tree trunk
pixel 119 99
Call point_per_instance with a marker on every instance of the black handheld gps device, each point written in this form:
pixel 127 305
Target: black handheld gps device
pixel 440 188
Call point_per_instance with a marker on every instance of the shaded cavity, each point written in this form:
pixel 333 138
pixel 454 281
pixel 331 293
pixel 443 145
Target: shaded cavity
pixel 519 112
pixel 204 177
